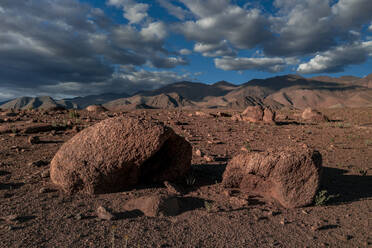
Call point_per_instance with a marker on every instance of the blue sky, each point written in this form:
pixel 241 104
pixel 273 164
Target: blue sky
pixel 67 48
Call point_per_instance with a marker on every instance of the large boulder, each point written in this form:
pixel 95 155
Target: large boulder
pixel 269 116
pixel 291 176
pixel 310 114
pixel 253 114
pixel 96 108
pixel 118 153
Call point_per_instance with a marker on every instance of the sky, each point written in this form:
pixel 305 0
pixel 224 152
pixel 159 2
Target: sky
pixel 66 48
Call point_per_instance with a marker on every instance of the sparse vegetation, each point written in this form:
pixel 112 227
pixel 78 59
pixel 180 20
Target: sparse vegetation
pixel 323 198
pixel 247 146
pixel 73 114
pixel 368 142
pixel 190 179
pixel 208 205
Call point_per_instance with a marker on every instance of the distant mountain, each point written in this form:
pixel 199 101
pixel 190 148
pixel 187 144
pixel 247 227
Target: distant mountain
pixel 82 102
pixel 161 101
pixel 289 90
pixel 40 102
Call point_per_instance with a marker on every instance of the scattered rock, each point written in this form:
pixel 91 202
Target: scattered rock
pixel 104 214
pixel 10 218
pixel 118 153
pixel 208 158
pixel 313 115
pixel 96 108
pixel 291 176
pixel 199 153
pixel 154 206
pixel 202 114
pixel 45 173
pixel 33 140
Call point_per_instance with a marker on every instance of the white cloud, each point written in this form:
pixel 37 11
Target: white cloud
pixel 242 28
pixel 174 10
pixel 241 64
pixel 185 51
pixel 134 12
pixel 214 50
pixel 154 31
pixel 337 59
pixel 370 28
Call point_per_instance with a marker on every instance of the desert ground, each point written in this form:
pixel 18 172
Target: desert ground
pixel 36 213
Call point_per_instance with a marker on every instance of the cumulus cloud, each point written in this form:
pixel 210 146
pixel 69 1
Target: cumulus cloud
pixel 185 51
pixel 174 10
pixel 337 59
pixel 370 28
pixel 72 44
pixel 214 50
pixel 133 11
pixel 218 20
pixel 241 64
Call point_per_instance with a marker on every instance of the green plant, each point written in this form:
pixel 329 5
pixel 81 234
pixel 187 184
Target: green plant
pixel 208 205
pixel 190 179
pixel 323 197
pixel 73 114
pixel 247 146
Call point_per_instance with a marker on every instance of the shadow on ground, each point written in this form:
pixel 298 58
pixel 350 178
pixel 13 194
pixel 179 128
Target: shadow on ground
pixel 348 188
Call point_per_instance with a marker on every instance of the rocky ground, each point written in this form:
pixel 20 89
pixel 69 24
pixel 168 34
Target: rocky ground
pixel 35 213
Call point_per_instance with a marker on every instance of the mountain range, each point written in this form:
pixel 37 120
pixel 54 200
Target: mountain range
pixel 282 91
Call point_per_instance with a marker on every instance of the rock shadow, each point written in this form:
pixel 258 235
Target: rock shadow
pixel 347 188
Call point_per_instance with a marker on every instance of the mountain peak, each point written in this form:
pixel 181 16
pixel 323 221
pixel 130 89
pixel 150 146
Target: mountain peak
pixel 223 83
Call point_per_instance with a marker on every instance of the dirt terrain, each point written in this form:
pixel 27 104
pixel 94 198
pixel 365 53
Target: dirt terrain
pixel 35 213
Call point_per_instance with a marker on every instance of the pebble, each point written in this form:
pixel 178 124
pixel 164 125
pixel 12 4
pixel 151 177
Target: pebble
pixel 104 214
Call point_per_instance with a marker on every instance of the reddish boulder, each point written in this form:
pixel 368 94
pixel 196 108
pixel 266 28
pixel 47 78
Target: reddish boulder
pixel 253 114
pixel 154 206
pixel 118 153
pixel 314 115
pixel 269 116
pixel 290 176
pixel 95 108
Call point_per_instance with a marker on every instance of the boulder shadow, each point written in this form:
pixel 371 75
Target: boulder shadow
pixel 208 174
pixel 287 123
pixel 190 204
pixel 347 188
pixel 129 214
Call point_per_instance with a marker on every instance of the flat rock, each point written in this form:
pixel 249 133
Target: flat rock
pixel 291 176
pixel 104 214
pixel 314 115
pixel 154 206
pixel 118 153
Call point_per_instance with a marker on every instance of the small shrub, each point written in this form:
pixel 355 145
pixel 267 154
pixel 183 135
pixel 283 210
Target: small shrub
pixel 247 146
pixel 73 114
pixel 323 197
pixel 190 180
pixel 208 205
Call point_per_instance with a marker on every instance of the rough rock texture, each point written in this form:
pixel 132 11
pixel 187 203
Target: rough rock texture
pixel 313 115
pixel 290 176
pixel 269 116
pixel 96 108
pixel 253 114
pixel 156 205
pixel 118 153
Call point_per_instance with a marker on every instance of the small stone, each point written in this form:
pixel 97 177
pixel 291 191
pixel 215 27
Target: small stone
pixel 199 153
pixel 33 140
pixel 284 222
pixel 173 188
pixel 43 190
pixel 78 216
pixel 208 158
pixel 45 173
pixel 104 214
